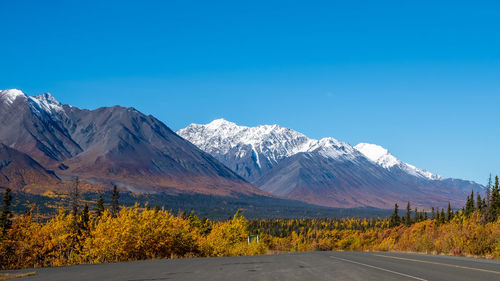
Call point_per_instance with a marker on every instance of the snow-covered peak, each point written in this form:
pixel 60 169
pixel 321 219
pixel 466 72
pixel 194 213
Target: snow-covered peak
pixel 378 154
pixel 384 158
pixel 332 148
pixel 47 98
pixel 8 96
pixel 217 123
pixel 42 105
pixel 274 142
pixel 47 103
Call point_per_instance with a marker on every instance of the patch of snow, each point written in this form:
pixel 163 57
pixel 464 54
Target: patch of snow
pixel 378 154
pixel 47 103
pixel 384 158
pixel 332 148
pixel 8 96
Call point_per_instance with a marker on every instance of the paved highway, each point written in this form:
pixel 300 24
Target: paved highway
pixel 311 266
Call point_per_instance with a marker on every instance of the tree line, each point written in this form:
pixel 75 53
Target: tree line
pixel 111 233
pixel 488 208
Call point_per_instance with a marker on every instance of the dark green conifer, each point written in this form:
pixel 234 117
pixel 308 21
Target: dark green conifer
pixel 395 220
pixel 85 217
pixel 449 212
pixel 99 209
pixel 6 214
pixel 494 204
pixel 469 205
pixel 442 217
pixel 115 205
pixel 74 196
pixel 488 191
pixel 408 214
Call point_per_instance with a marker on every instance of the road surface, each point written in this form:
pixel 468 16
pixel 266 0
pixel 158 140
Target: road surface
pixel 310 266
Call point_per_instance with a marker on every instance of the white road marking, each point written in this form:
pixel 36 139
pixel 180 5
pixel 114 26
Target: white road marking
pixel 379 268
pixel 440 263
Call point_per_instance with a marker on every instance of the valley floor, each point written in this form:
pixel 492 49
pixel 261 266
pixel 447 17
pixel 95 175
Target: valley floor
pixel 326 265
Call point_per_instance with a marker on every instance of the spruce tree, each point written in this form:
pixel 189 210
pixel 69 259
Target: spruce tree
pixel 494 205
pixel 442 217
pixel 479 203
pixel 395 220
pixel 469 205
pixel 85 217
pixel 488 191
pixel 449 212
pixel 6 214
pixel 466 207
pixel 408 214
pixel 75 197
pixel 433 212
pixel 115 205
pixel 99 206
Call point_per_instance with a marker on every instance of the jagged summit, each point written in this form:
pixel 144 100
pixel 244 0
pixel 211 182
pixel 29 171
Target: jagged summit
pixel 273 141
pixel 43 104
pixel 260 147
pixel 46 103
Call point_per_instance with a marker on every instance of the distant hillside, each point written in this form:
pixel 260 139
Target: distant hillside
pixel 18 170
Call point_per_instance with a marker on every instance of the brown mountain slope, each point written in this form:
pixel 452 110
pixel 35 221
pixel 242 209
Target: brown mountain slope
pixel 18 170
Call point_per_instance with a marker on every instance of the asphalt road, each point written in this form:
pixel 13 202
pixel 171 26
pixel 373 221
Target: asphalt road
pixel 311 266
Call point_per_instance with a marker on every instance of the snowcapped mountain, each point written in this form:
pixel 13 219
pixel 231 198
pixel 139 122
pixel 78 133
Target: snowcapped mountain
pixel 109 145
pixel 326 172
pixel 252 151
pixel 272 141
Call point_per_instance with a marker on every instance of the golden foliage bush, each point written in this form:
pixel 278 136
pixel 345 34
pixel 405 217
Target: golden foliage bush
pixel 134 234
pixel 229 238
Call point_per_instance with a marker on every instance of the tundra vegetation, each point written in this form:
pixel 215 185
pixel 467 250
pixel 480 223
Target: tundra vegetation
pixel 80 235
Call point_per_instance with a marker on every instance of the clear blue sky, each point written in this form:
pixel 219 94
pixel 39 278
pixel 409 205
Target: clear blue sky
pixel 421 78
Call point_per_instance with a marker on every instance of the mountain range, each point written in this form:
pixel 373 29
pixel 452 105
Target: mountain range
pixel 44 143
pixel 326 172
